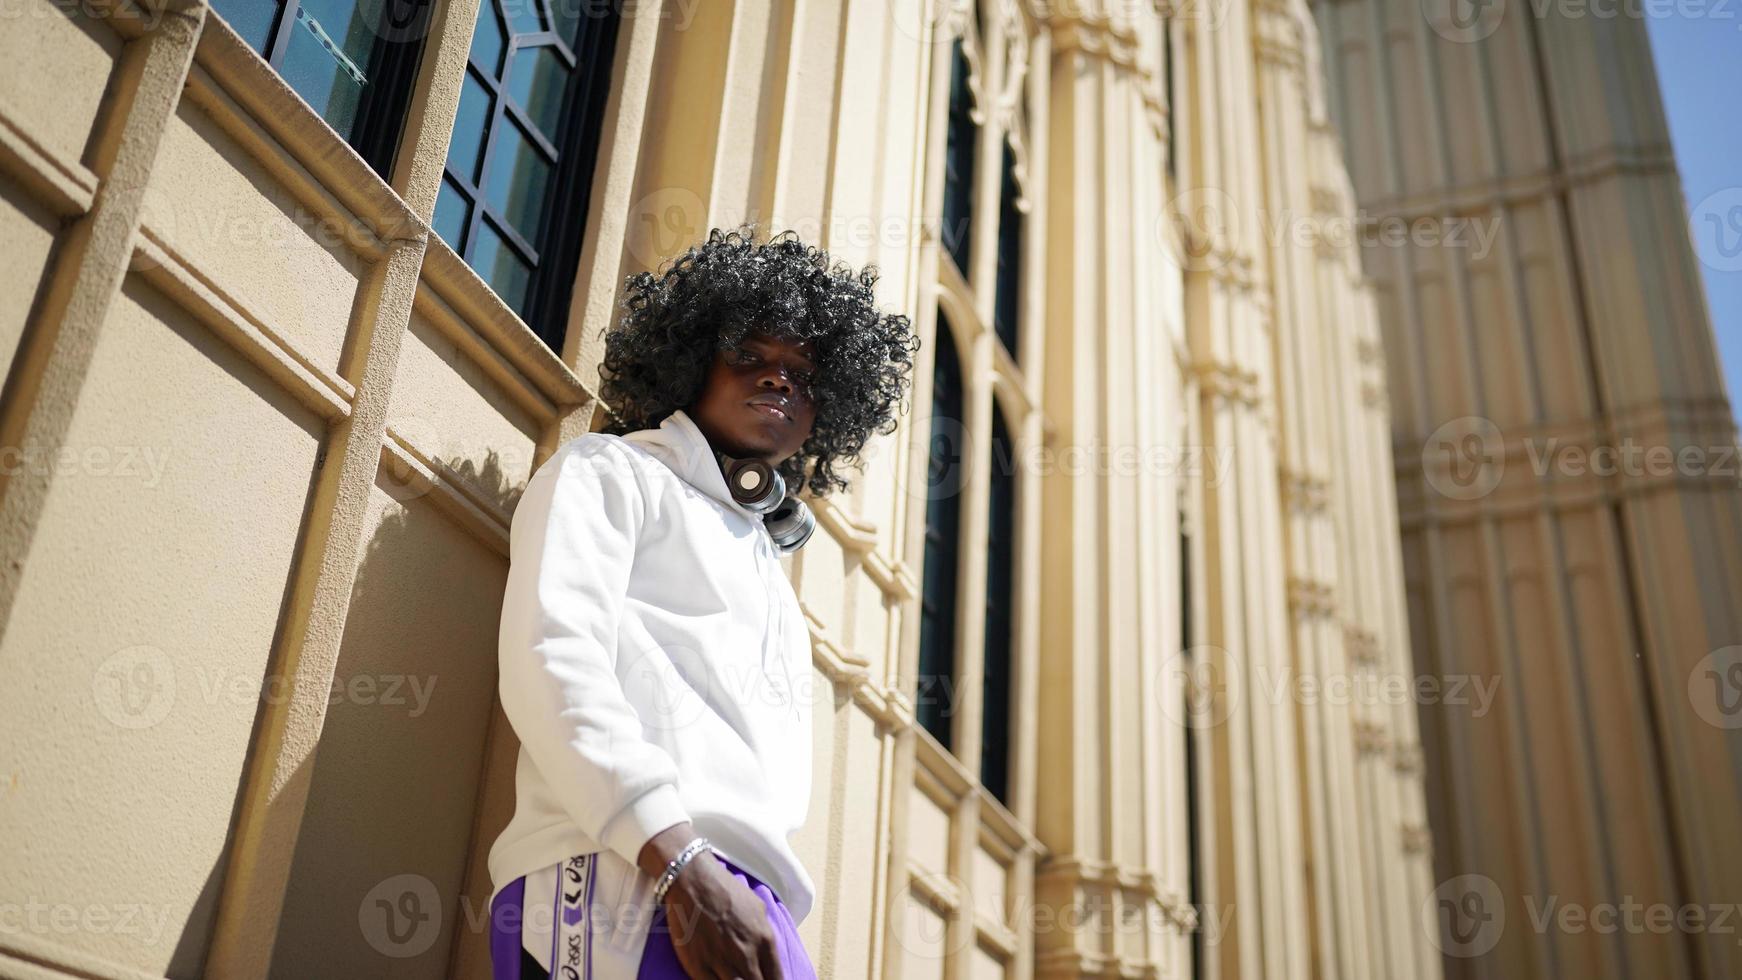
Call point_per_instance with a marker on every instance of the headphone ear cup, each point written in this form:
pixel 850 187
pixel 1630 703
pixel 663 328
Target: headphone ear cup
pixel 791 524
pixel 753 483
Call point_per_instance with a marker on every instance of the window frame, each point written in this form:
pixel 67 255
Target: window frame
pixel 573 156
pixel 395 57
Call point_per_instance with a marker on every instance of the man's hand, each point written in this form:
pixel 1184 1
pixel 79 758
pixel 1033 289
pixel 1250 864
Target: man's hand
pixel 719 927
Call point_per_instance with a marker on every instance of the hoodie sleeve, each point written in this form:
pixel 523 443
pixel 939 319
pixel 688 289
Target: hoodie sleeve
pixel 571 545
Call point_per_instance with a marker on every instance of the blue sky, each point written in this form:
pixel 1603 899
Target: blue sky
pixel 1698 50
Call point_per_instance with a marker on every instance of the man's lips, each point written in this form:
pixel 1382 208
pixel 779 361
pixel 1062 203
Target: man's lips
pixel 772 410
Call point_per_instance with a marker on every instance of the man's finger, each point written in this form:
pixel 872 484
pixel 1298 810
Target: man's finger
pixel 771 968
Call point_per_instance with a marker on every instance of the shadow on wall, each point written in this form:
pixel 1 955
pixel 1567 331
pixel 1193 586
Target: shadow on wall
pixel 414 775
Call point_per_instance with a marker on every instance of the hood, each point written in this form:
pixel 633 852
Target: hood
pixel 680 444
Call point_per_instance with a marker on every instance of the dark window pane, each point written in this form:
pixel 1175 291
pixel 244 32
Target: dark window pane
pixel 323 75
pixel 961 139
pixel 466 152
pixel 487 40
pixel 452 210
pixel 523 15
pixel 934 700
pixel 250 18
pixel 1194 870
pixel 518 178
pixel 501 268
pixel 537 81
pixel 1000 613
pixel 1007 303
pixel 568 15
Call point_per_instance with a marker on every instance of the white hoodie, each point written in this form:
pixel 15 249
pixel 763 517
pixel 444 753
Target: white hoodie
pixel 654 663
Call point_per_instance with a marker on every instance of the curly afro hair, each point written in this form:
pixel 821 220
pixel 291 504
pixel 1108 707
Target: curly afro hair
pixel 709 298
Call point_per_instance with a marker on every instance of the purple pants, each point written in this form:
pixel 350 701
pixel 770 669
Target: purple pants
pixel 509 961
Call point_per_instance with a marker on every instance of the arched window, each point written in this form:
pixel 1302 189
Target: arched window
pixel 961 143
pixel 1000 612
pixel 946 477
pixel 525 138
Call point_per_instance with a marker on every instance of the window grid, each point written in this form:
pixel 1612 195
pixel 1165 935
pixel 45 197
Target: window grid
pixel 526 153
pixel 505 121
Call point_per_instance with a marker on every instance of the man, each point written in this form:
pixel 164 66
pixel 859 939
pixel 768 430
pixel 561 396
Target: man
pixel 652 648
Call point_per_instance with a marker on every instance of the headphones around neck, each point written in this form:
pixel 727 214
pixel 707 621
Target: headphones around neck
pixel 761 489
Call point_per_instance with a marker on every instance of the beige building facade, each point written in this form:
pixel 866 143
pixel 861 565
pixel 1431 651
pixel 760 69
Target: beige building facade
pixel 297 301
pixel 1566 458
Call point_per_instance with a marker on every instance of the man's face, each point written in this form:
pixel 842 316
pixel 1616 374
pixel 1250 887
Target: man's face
pixel 757 400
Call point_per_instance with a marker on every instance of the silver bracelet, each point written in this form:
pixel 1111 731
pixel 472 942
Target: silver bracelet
pixel 676 864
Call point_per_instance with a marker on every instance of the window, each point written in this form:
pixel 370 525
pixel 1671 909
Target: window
pixel 355 63
pixel 946 477
pixel 1167 94
pixel 525 138
pixel 1000 613
pixel 1007 302
pixel 1194 872
pixel 962 139
pixel 978 62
